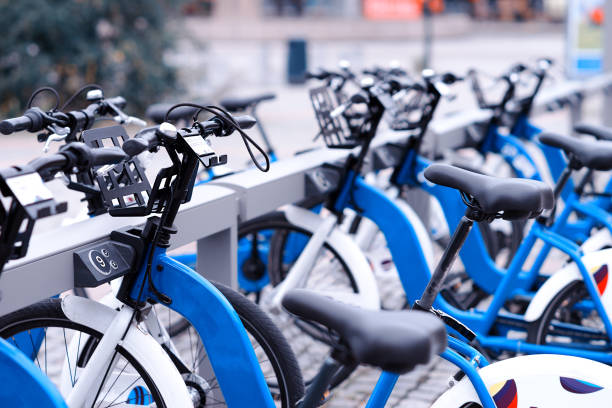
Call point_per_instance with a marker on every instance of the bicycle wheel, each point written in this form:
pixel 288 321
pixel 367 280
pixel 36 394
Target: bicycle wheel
pixel 46 335
pixel 283 244
pixel 570 320
pixel 277 361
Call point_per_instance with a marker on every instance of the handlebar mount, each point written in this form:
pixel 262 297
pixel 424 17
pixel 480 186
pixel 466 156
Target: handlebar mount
pixel 30 199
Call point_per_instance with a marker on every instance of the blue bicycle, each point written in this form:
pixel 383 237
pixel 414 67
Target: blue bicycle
pixel 223 367
pixel 357 332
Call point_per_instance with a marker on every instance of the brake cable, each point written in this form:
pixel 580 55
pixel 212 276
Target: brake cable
pixel 78 92
pixel 228 119
pixel 41 90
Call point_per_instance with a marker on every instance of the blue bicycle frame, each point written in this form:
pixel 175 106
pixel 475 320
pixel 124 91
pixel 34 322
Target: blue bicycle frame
pixel 414 272
pixel 414 275
pixel 226 342
pixel 23 384
pixel 402 240
pixel 474 255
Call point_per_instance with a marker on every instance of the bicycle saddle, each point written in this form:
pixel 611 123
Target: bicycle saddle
pixel 599 132
pixel 393 341
pixel 593 154
pixel 157 112
pixel 513 197
pixel 241 104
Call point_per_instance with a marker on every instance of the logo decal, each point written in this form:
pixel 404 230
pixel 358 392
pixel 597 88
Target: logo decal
pixel 578 387
pixel 504 394
pixel 601 278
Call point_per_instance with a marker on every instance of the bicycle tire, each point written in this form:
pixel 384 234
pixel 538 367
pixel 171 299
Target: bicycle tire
pixel 49 314
pixel 560 307
pixel 278 222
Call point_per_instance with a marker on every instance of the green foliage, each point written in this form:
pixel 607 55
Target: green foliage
pixel 118 44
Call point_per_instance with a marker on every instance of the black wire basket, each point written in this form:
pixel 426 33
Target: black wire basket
pixel 333 128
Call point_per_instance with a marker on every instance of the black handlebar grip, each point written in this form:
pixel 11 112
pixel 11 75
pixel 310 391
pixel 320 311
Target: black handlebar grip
pixel 133 147
pixel 145 140
pixel 107 155
pixel 9 126
pixel 319 74
pixel 245 121
pixel 157 113
pixel 32 121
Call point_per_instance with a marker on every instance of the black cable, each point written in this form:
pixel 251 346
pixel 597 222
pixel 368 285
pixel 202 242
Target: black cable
pixel 227 118
pixel 41 90
pixel 77 93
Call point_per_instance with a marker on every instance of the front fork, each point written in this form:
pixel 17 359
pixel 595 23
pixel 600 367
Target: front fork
pixel 299 272
pixel 101 361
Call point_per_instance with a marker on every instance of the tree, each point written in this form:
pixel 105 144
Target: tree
pixel 68 43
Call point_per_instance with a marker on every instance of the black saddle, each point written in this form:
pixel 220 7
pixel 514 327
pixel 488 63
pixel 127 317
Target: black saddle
pixel 241 104
pixel 157 112
pixel 512 197
pixel 593 154
pixel 393 341
pixel 598 132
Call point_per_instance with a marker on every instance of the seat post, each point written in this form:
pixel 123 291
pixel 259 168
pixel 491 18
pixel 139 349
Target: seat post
pixel 563 178
pixel 446 262
pixel 548 219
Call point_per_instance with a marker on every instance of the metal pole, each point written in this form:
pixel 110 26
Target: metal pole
pixel 607 61
pixel 427 34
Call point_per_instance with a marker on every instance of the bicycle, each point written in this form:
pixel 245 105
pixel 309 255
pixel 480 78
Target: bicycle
pixel 537 380
pixel 237 347
pixel 33 201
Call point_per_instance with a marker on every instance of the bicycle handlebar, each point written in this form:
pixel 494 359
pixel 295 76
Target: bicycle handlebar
pixel 35 120
pixel 151 138
pixel 30 121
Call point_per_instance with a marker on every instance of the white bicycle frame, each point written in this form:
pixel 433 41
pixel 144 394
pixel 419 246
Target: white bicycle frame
pixel 324 230
pixel 137 343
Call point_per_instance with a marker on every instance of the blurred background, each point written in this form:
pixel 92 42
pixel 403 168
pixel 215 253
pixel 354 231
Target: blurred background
pixel 161 50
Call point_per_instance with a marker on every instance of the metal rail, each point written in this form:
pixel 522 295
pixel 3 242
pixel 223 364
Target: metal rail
pixel 48 269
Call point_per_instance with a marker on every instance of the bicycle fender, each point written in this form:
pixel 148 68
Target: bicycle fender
pixel 542 380
pixel 597 265
pixel 23 383
pixel 599 240
pixel 142 346
pixel 355 260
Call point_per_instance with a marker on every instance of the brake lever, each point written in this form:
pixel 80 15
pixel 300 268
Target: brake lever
pixel 104 170
pixel 127 120
pixel 57 134
pixel 124 119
